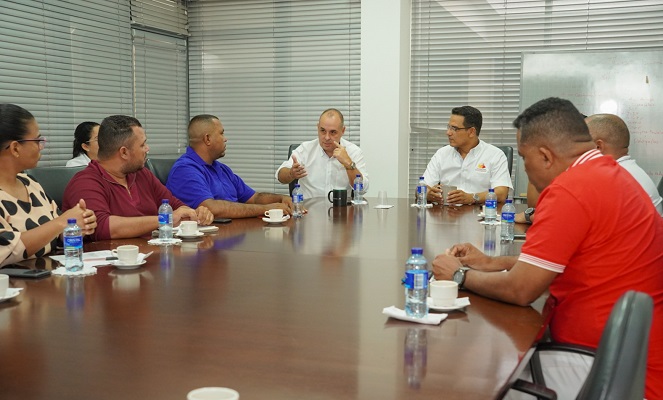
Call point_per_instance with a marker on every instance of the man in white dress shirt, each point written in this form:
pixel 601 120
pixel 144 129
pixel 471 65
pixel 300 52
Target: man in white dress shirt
pixel 612 138
pixel 470 164
pixel 326 163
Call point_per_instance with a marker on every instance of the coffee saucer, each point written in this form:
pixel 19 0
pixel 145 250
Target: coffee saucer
pixel 270 221
pixel 120 265
pixel 461 302
pixel 195 235
pixel 10 294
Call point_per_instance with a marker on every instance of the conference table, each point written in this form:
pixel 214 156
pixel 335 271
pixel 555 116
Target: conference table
pixel 274 311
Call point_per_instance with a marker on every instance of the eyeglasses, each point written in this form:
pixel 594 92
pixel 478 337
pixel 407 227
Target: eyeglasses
pixel 455 128
pixel 41 141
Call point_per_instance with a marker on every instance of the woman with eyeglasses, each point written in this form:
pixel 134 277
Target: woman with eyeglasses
pixel 30 223
pixel 86 145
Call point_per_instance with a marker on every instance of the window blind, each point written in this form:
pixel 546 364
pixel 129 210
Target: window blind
pixel 66 61
pixel 267 69
pixel 161 91
pixel 160 15
pixel 469 52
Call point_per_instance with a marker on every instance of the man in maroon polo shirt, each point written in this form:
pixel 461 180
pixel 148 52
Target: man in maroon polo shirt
pixel 124 195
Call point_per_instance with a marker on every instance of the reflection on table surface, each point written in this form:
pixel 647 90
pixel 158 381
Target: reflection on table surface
pixel 289 311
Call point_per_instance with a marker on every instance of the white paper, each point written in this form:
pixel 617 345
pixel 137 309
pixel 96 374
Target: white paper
pixel 430 319
pixel 101 254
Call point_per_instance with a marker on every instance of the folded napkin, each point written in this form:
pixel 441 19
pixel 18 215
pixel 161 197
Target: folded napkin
pixel 429 205
pixel 84 272
pixel 496 222
pixel 384 206
pixel 164 242
pixel 90 259
pixel 361 202
pixel 430 319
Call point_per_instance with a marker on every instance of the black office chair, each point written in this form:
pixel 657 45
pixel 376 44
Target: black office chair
pixel 508 152
pixel 291 185
pixel 54 180
pixel 660 187
pixel 620 361
pixel 160 167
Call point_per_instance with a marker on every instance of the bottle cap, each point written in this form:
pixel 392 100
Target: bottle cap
pixel 71 220
pixel 296 185
pixel 417 250
pixel 509 201
pixel 358 175
pixel 165 201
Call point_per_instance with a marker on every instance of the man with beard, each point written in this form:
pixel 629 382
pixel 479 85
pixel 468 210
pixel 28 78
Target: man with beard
pixel 125 196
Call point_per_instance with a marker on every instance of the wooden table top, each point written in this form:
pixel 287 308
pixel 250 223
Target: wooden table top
pixel 291 311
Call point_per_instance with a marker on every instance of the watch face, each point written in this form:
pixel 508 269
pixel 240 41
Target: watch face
pixel 529 211
pixel 458 277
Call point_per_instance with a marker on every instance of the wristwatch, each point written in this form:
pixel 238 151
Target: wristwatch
pixel 475 198
pixel 352 166
pixel 528 214
pixel 459 276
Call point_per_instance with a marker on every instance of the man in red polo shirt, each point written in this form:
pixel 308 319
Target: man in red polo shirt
pixel 595 237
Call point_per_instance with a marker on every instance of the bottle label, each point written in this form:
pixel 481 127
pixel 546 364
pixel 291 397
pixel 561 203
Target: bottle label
pixel 164 218
pixel 297 198
pixel 359 187
pixel 508 216
pixel 416 279
pixel 491 203
pixel 421 189
pixel 73 241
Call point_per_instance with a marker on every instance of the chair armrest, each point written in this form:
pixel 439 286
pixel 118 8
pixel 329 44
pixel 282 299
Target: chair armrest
pixel 540 392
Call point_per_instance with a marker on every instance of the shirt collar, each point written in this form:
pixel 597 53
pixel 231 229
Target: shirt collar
pixel 586 156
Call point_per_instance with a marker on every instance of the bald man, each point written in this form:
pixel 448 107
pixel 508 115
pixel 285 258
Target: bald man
pixel 198 178
pixel 612 138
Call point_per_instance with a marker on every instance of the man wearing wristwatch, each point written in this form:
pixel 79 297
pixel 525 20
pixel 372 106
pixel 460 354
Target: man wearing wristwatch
pixel 471 165
pixel 326 163
pixel 584 259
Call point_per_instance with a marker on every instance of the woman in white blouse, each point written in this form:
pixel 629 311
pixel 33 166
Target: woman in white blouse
pixel 86 145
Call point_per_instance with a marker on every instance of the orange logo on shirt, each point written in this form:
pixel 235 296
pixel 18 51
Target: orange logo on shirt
pixel 481 166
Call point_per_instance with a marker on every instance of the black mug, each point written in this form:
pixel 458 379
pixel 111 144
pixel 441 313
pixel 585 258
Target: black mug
pixel 340 197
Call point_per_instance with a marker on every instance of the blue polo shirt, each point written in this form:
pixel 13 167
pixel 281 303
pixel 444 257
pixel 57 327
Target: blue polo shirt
pixel 193 181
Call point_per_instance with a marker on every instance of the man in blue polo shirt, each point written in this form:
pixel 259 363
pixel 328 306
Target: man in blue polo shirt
pixel 197 178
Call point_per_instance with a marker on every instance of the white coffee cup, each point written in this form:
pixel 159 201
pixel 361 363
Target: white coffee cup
pixel 127 254
pixel 274 215
pixel 213 393
pixel 188 228
pixel 4 285
pixel 444 293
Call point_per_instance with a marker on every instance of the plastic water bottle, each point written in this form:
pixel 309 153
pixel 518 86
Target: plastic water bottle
pixel 297 201
pixel 165 220
pixel 491 206
pixel 359 188
pixel 416 284
pixel 73 246
pixel 422 191
pixel 508 215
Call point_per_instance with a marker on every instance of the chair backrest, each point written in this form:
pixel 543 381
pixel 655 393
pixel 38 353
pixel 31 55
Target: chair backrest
pixel 619 368
pixel 508 152
pixel 160 167
pixel 291 185
pixel 54 180
pixel 660 187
